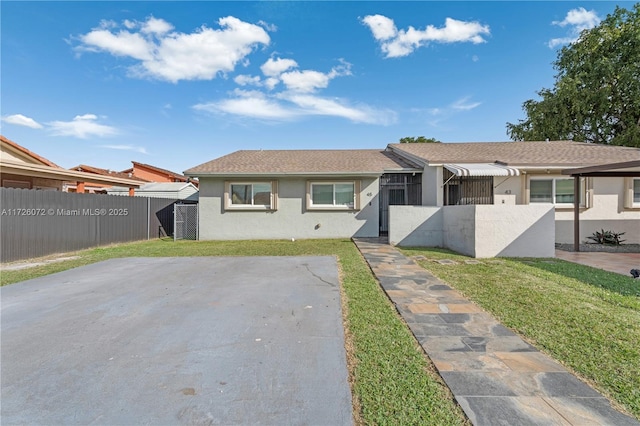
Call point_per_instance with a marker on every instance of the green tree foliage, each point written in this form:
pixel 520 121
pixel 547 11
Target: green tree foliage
pixel 419 139
pixel 596 94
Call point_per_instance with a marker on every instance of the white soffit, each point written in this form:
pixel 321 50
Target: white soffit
pixel 481 169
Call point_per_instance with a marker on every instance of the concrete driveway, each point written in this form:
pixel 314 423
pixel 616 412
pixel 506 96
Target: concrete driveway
pixel 206 340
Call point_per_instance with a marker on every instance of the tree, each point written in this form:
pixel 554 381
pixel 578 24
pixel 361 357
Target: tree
pixel 419 139
pixel 596 94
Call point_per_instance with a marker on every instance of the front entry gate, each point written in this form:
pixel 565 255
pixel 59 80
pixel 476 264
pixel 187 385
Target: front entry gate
pixel 398 189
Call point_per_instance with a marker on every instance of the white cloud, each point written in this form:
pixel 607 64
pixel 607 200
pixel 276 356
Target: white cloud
pixel 275 67
pixel 249 104
pixel 577 20
pixel 21 120
pixel 156 26
pixel 82 126
pixel 463 104
pixel 139 149
pixel 580 18
pixel 438 115
pixel 267 26
pixel 305 81
pixel 382 27
pixel 310 80
pixel 169 55
pixel 296 98
pixel 122 43
pixel 397 43
pixel 316 105
pixel 247 80
pixel 271 82
pixel 289 105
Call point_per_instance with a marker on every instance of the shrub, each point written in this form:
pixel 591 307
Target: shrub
pixel 609 238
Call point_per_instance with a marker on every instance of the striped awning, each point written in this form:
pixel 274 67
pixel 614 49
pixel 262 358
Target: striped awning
pixel 479 169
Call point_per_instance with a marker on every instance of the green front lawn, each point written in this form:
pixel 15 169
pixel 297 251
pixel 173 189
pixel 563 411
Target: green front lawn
pixel 586 318
pixel 391 379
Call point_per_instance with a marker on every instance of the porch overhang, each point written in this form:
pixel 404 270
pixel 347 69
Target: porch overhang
pixel 481 169
pixel 47 172
pixel 624 169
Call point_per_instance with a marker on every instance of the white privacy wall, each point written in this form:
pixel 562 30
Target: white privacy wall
pixel 476 230
pixel 291 219
pixel 514 231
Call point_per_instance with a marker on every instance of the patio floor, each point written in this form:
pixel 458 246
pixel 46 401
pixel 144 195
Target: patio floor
pixel 620 263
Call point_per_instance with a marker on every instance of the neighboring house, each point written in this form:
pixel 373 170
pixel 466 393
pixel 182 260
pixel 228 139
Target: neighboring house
pixel 531 173
pixel 16 160
pixel 185 191
pixel 21 168
pixel 346 193
pixel 151 173
pixel 97 188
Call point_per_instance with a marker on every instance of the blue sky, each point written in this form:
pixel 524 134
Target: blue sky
pixel 175 84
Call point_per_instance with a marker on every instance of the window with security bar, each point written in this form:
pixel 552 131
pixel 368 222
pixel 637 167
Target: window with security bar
pixel 463 190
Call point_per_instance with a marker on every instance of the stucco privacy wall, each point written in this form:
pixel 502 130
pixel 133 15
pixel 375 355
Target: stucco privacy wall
pixel 416 226
pixel 607 212
pixel 291 219
pixel 478 231
pixel 514 231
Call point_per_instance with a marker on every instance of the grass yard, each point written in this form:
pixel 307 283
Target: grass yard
pixel 586 318
pixel 391 380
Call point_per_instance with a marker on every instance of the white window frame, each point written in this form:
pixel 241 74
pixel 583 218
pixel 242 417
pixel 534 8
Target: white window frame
pixel 355 205
pixel 553 190
pixel 273 196
pixel 629 185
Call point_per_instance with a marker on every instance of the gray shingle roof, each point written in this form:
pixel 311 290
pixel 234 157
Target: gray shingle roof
pixel 553 153
pixel 361 161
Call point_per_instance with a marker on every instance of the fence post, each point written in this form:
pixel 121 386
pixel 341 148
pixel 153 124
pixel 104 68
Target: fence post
pixel 148 218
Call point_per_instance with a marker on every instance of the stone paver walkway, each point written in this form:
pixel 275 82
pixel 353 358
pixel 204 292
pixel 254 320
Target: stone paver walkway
pixel 495 376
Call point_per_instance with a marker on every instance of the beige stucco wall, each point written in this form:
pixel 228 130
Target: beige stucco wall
pixel 514 231
pixel 432 186
pixel 476 230
pixel 416 226
pixel 606 212
pixel 291 219
pixel 507 190
pixel 459 229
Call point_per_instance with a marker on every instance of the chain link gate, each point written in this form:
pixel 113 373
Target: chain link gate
pixel 185 222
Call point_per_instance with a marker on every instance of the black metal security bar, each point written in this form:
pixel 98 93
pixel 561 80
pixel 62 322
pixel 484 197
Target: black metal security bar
pixel 462 190
pixel 398 189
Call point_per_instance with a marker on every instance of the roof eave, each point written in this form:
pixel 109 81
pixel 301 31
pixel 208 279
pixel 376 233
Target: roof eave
pixel 411 157
pixel 61 174
pixel 602 168
pixel 296 174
